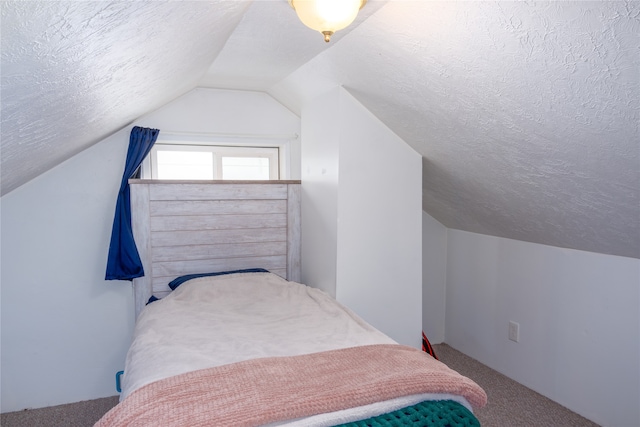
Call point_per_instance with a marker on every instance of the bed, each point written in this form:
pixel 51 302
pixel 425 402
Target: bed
pixel 229 337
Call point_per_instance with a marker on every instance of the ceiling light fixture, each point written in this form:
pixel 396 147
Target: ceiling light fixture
pixel 327 16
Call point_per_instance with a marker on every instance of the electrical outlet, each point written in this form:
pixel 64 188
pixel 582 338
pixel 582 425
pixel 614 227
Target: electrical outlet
pixel 514 331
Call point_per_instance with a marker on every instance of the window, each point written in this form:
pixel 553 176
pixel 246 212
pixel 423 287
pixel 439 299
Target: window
pixel 198 162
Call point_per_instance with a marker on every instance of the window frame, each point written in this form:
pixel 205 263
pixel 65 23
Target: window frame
pixel 243 146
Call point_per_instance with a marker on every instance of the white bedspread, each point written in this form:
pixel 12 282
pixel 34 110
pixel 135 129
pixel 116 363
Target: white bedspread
pixel 212 321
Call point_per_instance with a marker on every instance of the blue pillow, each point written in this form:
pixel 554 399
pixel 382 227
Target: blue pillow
pixel 180 280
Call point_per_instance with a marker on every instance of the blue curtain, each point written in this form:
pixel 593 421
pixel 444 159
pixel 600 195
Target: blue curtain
pixel 124 261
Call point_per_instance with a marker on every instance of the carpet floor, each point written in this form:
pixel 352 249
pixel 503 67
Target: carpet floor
pixel 510 404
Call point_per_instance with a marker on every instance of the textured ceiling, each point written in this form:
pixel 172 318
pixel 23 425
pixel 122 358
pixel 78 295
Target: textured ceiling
pixel 526 113
pixel 74 72
pixel 268 45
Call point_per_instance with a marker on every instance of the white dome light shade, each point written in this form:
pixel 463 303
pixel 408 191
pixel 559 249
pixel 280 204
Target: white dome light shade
pixel 327 16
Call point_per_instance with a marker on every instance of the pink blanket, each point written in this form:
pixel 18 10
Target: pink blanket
pixel 261 391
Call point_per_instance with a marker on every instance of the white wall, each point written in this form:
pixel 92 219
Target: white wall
pixel 434 278
pixel 578 314
pixel 65 330
pixel 362 196
pixel 319 162
pixel 229 115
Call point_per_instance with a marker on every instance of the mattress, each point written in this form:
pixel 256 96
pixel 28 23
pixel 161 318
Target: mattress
pixel 225 324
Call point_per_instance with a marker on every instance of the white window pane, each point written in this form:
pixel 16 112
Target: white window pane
pixel 243 168
pixel 185 165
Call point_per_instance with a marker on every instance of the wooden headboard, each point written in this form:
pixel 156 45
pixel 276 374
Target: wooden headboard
pixel 186 227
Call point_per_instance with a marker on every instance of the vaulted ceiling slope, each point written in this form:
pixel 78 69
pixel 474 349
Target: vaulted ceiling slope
pixel 74 72
pixel 526 113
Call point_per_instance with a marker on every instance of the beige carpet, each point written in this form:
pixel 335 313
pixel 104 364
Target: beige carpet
pixel 510 404
pixel 80 414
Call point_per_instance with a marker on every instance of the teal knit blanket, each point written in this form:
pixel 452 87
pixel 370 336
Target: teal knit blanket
pixel 433 413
